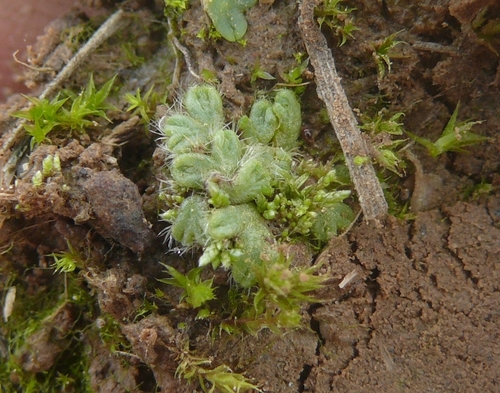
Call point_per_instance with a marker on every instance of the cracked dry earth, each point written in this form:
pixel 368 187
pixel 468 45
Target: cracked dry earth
pixel 424 316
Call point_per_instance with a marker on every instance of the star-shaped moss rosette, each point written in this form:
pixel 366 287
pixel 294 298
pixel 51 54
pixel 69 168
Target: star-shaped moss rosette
pixel 237 192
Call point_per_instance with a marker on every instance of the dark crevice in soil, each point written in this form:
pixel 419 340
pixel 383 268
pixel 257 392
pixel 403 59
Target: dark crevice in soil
pixel 408 253
pixel 429 87
pixel 467 273
pixel 314 324
pixel 354 247
pixel 146 379
pixel 386 14
pixel 372 284
pixel 306 371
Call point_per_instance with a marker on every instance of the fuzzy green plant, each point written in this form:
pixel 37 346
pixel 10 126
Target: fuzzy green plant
pixel 230 195
pixel 228 17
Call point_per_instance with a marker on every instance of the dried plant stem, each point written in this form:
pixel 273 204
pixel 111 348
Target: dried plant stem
pixel 8 159
pixel 330 91
pixel 179 47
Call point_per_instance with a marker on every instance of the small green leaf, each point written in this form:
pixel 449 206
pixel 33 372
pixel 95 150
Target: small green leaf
pixel 196 292
pixel 191 169
pixel 228 17
pixel 184 134
pixel 286 107
pixel 204 104
pixel 262 123
pixel 189 226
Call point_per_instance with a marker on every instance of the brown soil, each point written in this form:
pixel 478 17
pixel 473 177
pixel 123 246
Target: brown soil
pixel 423 311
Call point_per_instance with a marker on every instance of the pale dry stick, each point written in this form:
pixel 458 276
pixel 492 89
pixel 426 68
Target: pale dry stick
pixel 182 49
pixel 9 162
pixel 330 91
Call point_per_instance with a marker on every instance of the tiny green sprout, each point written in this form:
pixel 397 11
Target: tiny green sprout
pixel 142 106
pixel 51 165
pixel 379 124
pixel 195 292
pixel 210 32
pixel 360 160
pixel 293 77
pixel 482 189
pixel 220 379
pixel 208 76
pixel 71 112
pixel 337 16
pixel 382 131
pixel 228 17
pixel 64 381
pixel 45 116
pixel 131 54
pixel 176 5
pixel 37 179
pixel 259 73
pixel 275 305
pixel 68 261
pixel 90 102
pixel 454 138
pixel 110 333
pixel 382 52
pixel 488 31
pixel 146 308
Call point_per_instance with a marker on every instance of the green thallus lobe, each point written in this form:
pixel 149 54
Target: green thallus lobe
pixel 228 186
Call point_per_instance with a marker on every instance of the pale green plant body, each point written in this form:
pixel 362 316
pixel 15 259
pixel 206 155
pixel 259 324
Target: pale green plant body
pixel 238 185
pixel 237 194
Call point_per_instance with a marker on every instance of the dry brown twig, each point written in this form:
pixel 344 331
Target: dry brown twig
pixel 330 91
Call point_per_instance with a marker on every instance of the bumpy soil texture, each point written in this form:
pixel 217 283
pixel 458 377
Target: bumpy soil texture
pixel 422 313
